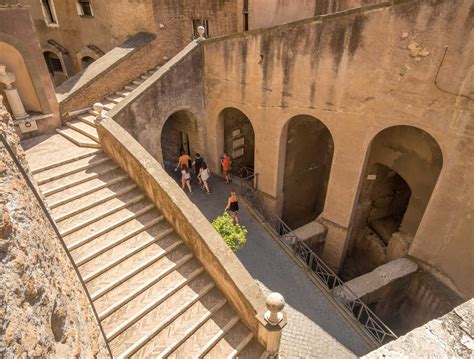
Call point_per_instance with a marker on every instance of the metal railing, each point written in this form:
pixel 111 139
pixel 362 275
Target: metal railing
pixel 51 221
pixel 343 295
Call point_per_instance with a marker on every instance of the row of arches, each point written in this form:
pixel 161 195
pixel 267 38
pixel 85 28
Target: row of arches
pixel 57 67
pixel 402 166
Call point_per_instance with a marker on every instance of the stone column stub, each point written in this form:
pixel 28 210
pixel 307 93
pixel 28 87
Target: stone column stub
pixel 13 97
pixel 272 323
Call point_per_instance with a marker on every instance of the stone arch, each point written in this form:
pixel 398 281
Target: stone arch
pixel 179 133
pixel 56 67
pixel 19 60
pixel 309 150
pixel 385 221
pixel 85 52
pixel 237 137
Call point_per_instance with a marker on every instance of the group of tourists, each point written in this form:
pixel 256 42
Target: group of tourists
pixel 202 174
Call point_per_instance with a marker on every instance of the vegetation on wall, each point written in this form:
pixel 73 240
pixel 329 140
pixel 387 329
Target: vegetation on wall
pixel 234 235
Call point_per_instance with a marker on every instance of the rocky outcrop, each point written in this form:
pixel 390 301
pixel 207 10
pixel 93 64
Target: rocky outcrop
pixel 44 311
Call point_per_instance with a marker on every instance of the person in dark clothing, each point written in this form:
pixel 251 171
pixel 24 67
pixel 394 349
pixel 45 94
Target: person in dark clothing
pixel 198 161
pixel 233 206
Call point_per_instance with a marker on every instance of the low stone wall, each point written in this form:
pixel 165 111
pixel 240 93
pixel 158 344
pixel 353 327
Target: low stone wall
pixel 44 311
pixel 177 86
pixel 108 74
pixel 208 247
pixel 447 337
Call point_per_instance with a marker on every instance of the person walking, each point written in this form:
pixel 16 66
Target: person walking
pixel 198 162
pixel 226 165
pixel 186 177
pixel 233 206
pixel 204 175
pixel 184 159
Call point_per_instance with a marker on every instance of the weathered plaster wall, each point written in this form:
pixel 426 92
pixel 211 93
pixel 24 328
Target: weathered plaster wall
pixel 266 13
pixel 17 31
pixel 44 311
pixel 176 86
pixel 359 73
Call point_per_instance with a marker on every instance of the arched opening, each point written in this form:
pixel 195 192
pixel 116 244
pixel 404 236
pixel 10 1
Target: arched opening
pixel 403 166
pixel 86 61
pixel 55 67
pixel 239 138
pixel 179 133
pixel 309 152
pixel 15 62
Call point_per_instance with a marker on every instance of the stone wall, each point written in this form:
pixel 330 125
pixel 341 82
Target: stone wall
pixel 44 310
pixel 177 86
pixel 447 337
pixel 359 72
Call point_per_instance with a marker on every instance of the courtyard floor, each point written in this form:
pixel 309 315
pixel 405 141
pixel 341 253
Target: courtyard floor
pixel 315 329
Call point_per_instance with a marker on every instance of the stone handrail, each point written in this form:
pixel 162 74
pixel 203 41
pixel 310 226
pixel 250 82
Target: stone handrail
pixel 189 223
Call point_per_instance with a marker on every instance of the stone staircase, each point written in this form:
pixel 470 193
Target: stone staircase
pixel 153 298
pixel 81 130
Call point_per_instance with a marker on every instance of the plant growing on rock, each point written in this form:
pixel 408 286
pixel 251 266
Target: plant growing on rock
pixel 234 235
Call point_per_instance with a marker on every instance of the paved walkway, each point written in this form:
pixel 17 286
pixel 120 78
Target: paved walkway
pixel 315 329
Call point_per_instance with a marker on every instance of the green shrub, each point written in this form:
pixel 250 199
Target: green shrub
pixel 234 235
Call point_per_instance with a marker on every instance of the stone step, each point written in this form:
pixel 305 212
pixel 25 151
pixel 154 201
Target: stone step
pixel 83 189
pixel 69 168
pixel 61 184
pixel 88 119
pixel 231 344
pixel 123 93
pixel 77 138
pixel 205 337
pixel 114 98
pixel 63 162
pixel 138 82
pixel 84 129
pixel 100 211
pixel 145 302
pixel 114 256
pixel 183 331
pixel 104 225
pixel 142 333
pixel 130 87
pixel 108 105
pixel 167 273
pixel 83 204
pixel 130 267
pixel 110 239
pixel 144 77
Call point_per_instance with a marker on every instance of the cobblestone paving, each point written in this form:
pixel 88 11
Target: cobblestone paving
pixel 315 329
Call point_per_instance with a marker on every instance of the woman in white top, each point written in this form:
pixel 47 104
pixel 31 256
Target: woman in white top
pixel 204 175
pixel 185 177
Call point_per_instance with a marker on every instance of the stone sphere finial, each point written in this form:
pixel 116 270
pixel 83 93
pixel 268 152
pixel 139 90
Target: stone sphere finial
pixel 275 304
pixel 201 31
pixel 99 108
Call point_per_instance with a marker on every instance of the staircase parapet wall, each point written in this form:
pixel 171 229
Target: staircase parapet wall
pixel 220 262
pixel 111 72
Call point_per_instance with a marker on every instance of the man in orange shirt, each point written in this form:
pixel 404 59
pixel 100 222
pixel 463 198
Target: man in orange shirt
pixel 226 164
pixel 184 160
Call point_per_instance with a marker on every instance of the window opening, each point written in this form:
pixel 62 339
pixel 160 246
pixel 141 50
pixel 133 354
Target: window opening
pixel 85 7
pixel 48 11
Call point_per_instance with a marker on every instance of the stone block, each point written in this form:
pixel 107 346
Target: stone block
pixel 313 234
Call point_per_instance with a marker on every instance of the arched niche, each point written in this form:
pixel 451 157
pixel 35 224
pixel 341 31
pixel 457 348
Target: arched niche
pixel 239 137
pixel 309 152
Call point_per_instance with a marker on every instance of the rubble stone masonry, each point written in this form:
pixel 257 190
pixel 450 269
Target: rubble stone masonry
pixel 44 311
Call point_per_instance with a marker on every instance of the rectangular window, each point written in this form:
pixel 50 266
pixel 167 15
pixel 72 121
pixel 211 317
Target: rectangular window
pixel 200 22
pixel 48 11
pixel 246 15
pixel 85 8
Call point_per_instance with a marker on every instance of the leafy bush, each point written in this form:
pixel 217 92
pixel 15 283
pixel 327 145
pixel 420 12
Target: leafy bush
pixel 234 235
